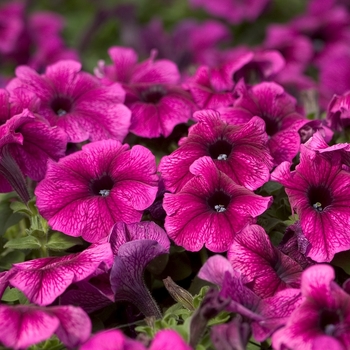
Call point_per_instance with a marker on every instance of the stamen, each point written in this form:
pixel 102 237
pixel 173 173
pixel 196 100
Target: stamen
pixel 104 193
pixel 222 156
pixel 61 112
pixel 220 208
pixel 329 329
pixel 317 206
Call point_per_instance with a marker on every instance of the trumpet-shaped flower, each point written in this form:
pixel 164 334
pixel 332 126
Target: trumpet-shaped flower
pixel 265 268
pixel 210 209
pixel 270 102
pixel 24 325
pixel 157 103
pixel 323 318
pixel 43 280
pixel 76 102
pixel 239 151
pixel 318 190
pixel 87 192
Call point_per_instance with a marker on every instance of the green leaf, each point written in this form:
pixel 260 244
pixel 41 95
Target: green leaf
pixel 7 217
pixel 11 294
pixel 60 241
pixel 10 258
pixel 19 207
pixel 29 242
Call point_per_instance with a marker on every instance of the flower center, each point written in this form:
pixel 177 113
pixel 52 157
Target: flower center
pixel 61 105
pixel 319 198
pixel 153 94
pixel 220 150
pixel 219 201
pixel 102 186
pixel 329 319
pixel 251 72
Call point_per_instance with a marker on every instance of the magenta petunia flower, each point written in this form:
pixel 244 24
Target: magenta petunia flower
pixel 265 268
pixel 318 190
pixel 166 339
pixel 43 280
pixel 153 95
pixel 264 315
pixel 39 143
pixel 85 193
pixel 338 112
pixel 76 102
pixel 239 151
pixel 323 318
pixel 24 325
pixel 278 109
pixel 210 209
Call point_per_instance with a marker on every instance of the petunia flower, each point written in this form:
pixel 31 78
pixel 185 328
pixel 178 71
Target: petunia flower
pixel 153 95
pixel 278 109
pixel 43 280
pixel 166 339
pixel 338 112
pixel 24 325
pixel 318 191
pixel 239 151
pixel 133 246
pixel 323 318
pixel 210 209
pixel 39 143
pixel 76 102
pixel 264 315
pixel 265 268
pixel 85 193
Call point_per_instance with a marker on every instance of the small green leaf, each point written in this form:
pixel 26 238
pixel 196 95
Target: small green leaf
pixel 10 258
pixel 7 217
pixel 19 207
pixel 11 294
pixel 60 241
pixel 29 242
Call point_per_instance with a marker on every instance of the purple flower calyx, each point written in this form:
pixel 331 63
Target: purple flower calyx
pixel 102 186
pixel 61 105
pixel 220 150
pixel 219 201
pixel 320 198
pixel 153 94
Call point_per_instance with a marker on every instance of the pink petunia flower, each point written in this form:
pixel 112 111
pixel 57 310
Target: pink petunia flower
pixel 338 112
pixel 211 86
pixel 239 151
pixel 76 102
pixel 24 325
pixel 323 318
pixel 210 209
pixel 85 193
pixel 265 268
pixel 43 280
pixel 166 339
pixel 153 95
pixel 278 109
pixel 318 190
pixel 264 315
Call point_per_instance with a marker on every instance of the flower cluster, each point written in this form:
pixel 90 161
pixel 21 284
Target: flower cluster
pixel 121 179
